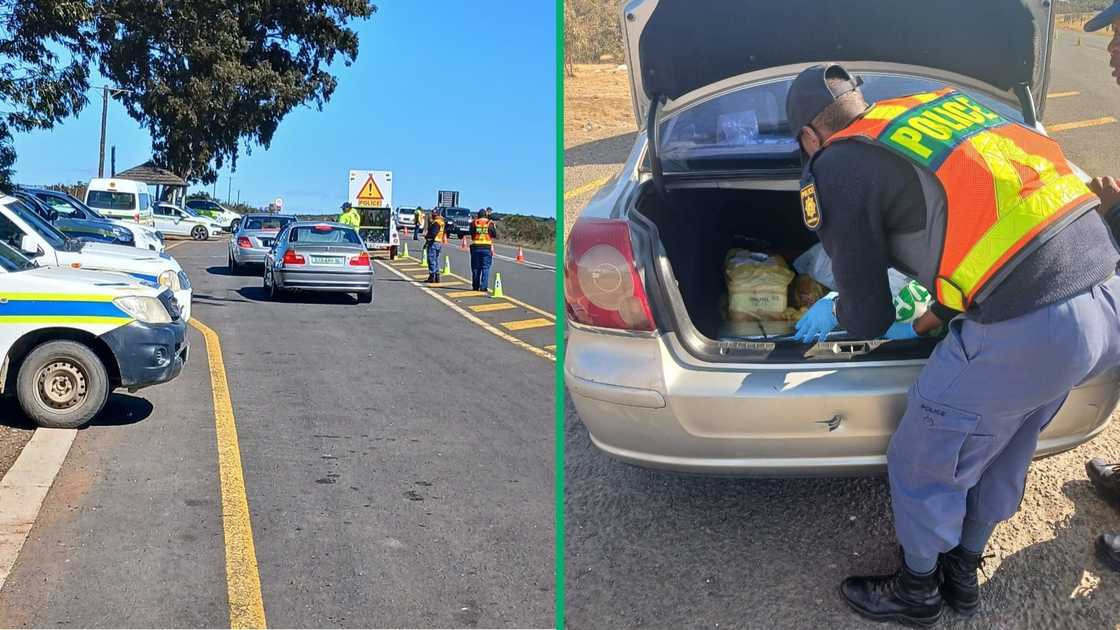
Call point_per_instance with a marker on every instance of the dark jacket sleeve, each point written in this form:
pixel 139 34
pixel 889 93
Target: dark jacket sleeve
pixel 854 236
pixel 493 230
pixel 433 230
pixel 1112 220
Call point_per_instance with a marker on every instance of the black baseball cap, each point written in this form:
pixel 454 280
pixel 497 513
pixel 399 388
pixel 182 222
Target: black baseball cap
pixel 1104 18
pixel 810 93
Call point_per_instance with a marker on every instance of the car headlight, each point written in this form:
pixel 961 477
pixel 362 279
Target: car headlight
pixel 144 309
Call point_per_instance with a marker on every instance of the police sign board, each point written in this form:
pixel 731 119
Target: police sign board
pixel 371 189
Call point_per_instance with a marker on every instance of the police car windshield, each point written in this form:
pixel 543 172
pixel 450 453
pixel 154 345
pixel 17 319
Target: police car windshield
pixel 46 230
pixel 746 129
pixel 12 261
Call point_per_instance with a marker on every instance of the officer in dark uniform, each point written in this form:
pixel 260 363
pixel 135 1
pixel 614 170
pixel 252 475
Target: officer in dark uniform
pixel 1030 314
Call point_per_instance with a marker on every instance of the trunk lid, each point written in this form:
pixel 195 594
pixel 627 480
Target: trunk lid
pixel 675 47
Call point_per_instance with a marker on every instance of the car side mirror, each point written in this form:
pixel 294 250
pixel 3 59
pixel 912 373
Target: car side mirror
pixel 29 248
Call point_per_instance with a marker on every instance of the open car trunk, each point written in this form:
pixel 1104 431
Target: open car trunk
pixel 696 229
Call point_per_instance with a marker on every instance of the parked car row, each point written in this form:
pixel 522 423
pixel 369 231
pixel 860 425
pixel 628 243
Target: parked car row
pixel 302 255
pixel 80 317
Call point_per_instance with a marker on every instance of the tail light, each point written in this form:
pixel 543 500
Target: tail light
pixel 136 216
pixel 291 257
pixel 601 282
pixel 361 260
pixel 243 242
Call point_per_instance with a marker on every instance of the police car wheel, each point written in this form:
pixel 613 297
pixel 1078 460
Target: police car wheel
pixel 62 385
pixel 199 233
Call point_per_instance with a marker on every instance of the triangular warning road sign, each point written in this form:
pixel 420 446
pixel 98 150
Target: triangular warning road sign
pixel 370 195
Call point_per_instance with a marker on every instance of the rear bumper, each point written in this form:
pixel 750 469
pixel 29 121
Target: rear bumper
pixel 643 406
pixel 149 354
pixel 250 255
pixel 339 281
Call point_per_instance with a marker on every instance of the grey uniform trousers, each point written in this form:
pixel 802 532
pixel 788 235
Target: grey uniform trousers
pixel 972 420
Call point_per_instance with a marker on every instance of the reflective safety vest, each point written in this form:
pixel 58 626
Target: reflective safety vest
pixel 352 218
pixel 480 232
pixel 441 234
pixel 418 217
pixel 1007 188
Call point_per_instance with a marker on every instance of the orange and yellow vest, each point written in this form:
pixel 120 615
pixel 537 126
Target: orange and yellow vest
pixel 1007 188
pixel 480 232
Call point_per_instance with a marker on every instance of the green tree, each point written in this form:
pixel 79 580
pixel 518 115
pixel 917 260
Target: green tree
pixel 208 77
pixel 44 59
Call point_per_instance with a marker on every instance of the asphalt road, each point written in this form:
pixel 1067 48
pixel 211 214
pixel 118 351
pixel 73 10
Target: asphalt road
pixel 534 281
pixel 657 550
pixel 398 466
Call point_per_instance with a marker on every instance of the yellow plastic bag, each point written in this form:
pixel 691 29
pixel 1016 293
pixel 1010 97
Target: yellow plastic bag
pixel 757 285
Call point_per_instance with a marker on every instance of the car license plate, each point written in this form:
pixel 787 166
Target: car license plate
pixel 327 260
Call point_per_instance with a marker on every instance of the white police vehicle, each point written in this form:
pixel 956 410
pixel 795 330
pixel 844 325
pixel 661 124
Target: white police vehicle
pixel 24 230
pixel 68 337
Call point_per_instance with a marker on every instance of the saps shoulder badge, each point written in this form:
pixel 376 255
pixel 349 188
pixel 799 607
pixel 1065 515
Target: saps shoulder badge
pixel 810 204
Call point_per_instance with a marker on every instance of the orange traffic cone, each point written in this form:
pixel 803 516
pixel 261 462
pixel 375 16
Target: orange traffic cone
pixel 406 234
pixel 520 256
pixel 463 244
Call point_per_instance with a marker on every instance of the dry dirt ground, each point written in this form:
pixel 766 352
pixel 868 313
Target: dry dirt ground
pixel 599 129
pixel 12 436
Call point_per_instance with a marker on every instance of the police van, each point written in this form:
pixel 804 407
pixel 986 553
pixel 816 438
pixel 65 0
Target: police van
pixel 26 232
pixel 120 199
pixel 68 337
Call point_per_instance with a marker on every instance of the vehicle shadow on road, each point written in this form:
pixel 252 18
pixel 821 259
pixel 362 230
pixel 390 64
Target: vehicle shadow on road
pixel 223 270
pixel 258 294
pixel 612 150
pixel 120 410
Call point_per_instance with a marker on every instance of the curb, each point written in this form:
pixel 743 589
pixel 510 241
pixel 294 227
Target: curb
pixel 24 488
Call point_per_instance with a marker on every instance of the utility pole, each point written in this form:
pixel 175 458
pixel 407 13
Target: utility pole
pixel 105 90
pixel 216 187
pixel 113 161
pixel 229 190
pixel 239 196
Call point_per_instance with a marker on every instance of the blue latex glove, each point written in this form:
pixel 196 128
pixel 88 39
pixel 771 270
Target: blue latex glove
pixel 901 330
pixel 817 322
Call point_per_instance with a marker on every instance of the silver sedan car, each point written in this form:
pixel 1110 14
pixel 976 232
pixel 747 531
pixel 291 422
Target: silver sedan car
pixel 323 257
pixel 253 238
pixel 655 372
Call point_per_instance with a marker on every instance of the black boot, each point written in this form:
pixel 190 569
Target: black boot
pixel 959 585
pixel 904 597
pixel 1108 548
pixel 436 281
pixel 431 278
pixel 1105 478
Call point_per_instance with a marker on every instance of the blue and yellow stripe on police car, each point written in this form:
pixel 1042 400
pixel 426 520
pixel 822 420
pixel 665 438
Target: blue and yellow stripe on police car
pixel 56 308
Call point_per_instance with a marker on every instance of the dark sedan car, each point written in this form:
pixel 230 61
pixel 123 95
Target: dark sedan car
pixel 83 229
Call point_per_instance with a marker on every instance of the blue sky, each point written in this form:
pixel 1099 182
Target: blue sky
pixel 449 95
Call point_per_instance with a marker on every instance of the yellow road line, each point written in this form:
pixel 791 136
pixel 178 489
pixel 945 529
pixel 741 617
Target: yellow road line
pixel 174 245
pixel 550 347
pixel 243 579
pixel 539 311
pixel 442 285
pixel 588 187
pixel 420 277
pixel 1061 94
pixel 463 294
pixel 496 306
pixel 526 324
pixel 1078 124
pixel 474 319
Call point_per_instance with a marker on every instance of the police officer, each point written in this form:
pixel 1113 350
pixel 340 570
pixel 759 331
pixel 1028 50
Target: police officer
pixel 1105 475
pixel 350 216
pixel 433 242
pixel 483 234
pixel 1021 267
pixel 418 222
